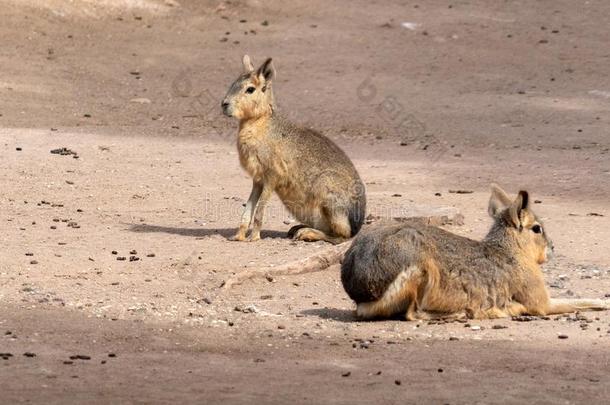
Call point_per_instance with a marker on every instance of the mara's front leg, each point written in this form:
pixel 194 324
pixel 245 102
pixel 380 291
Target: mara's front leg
pixel 246 216
pixel 259 212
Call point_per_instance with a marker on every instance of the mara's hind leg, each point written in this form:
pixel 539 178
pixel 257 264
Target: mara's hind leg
pixel 312 235
pixel 339 227
pixel 292 232
pixel 338 224
pixel 399 297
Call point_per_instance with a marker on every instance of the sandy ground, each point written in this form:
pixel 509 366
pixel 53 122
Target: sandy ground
pixel 469 93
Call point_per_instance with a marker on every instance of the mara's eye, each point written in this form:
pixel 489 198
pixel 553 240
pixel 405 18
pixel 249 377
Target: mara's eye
pixel 250 90
pixel 537 229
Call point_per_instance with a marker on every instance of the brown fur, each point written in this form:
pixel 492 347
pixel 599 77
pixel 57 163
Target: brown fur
pixel 426 272
pixel 313 177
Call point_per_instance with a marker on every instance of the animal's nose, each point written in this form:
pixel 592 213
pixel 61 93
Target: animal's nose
pixel 224 104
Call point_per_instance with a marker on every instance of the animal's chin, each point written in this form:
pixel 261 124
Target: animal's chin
pixel 545 257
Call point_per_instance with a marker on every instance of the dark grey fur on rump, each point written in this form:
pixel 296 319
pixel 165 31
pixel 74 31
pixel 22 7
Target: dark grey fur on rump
pixel 375 259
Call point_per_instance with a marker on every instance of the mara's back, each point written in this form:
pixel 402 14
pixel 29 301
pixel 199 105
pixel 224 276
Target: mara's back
pixel 309 151
pixel 380 254
pixel 318 175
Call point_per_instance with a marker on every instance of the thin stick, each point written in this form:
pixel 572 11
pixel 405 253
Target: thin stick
pixel 312 264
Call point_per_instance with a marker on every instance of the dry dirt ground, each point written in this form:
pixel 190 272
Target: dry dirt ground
pixel 426 97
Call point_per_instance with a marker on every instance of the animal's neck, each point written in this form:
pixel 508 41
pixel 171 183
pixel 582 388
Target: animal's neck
pixel 500 239
pixel 497 235
pixel 255 126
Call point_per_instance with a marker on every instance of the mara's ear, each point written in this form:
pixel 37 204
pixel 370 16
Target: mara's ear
pixel 498 201
pixel 248 67
pixel 521 204
pixel 266 70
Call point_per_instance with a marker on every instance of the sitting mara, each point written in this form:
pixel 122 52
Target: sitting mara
pixel 424 272
pixel 313 177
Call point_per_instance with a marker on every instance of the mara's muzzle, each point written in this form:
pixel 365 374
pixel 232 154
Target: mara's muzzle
pixel 226 108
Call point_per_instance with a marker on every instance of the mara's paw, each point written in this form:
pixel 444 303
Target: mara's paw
pixel 238 237
pixel 254 237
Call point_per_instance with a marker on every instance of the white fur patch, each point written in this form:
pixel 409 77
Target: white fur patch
pixel 392 301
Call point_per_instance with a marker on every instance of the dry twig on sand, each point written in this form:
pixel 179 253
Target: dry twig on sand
pixel 311 264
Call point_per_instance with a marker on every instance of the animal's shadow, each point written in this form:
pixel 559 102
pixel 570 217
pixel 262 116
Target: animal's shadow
pixel 198 232
pixel 340 315
pixel 344 315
